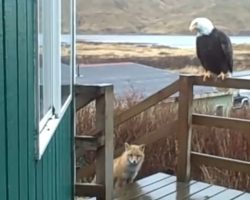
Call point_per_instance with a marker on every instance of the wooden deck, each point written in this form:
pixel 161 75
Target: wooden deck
pixel 165 187
pixel 161 186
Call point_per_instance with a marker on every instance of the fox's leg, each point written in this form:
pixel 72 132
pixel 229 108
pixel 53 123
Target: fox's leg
pixel 131 180
pixel 120 182
pixel 117 183
pixel 123 182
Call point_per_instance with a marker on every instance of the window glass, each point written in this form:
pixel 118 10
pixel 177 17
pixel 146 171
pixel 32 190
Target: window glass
pixel 66 38
pixel 44 73
pixel 54 66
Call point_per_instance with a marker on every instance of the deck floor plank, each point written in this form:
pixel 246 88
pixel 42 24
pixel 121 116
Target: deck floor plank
pixel 207 193
pixel 227 194
pixel 243 196
pixel 157 193
pixel 161 186
pixel 139 188
pixel 182 189
pixel 194 189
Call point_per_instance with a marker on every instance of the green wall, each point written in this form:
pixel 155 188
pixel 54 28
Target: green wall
pixel 208 105
pixel 21 175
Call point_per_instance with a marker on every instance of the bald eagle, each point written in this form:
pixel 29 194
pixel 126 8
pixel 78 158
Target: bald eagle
pixel 213 48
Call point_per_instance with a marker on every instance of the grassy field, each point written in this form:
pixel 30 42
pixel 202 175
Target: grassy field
pixel 184 60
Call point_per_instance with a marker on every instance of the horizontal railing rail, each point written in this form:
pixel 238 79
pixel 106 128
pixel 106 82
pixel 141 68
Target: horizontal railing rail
pixel 182 126
pixel 103 142
pixel 221 122
pixel 236 83
pixel 147 103
pixel 187 118
pixel 220 162
pixel 134 111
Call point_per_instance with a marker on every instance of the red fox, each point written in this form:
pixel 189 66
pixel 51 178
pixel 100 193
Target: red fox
pixel 127 166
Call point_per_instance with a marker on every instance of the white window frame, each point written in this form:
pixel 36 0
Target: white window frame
pixel 52 52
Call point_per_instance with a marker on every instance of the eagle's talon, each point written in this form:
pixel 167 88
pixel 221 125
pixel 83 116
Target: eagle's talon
pixel 222 76
pixel 206 75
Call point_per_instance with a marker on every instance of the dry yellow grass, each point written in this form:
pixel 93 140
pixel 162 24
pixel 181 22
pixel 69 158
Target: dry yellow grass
pixel 191 70
pixel 184 60
pixel 128 50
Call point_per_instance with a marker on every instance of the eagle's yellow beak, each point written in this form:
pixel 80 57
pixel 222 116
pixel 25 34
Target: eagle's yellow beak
pixel 192 27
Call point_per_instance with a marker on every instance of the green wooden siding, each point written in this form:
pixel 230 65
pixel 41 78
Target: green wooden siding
pixel 3 179
pixel 11 92
pixel 54 171
pixel 22 59
pixel 21 175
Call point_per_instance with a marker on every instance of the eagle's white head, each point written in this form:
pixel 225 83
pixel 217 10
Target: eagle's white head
pixel 202 25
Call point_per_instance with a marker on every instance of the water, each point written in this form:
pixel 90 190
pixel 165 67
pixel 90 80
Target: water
pixel 178 41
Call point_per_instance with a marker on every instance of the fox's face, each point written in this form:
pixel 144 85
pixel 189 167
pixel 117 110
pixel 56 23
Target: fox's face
pixel 135 153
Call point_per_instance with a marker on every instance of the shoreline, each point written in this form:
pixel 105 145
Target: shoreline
pixel 158 56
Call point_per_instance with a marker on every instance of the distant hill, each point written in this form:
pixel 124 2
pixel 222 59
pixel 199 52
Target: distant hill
pixel 160 16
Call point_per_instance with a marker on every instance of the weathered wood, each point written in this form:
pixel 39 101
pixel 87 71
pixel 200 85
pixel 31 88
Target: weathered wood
pixel 227 194
pixel 147 103
pixel 83 143
pixel 221 122
pixel 86 143
pixel 93 132
pixel 185 85
pixel 166 92
pixel 158 186
pixel 152 137
pixel 208 192
pixel 182 193
pixel 89 190
pixel 156 190
pixel 199 159
pixel 84 94
pixel 236 83
pixel 86 138
pixel 182 189
pixel 184 128
pixel 243 196
pixel 141 188
pixel 104 158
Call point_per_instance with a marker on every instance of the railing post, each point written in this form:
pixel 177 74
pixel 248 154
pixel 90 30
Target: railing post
pixel 104 159
pixel 184 133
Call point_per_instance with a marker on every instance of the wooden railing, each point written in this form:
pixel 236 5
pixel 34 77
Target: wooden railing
pixel 186 157
pixel 182 127
pixel 102 140
pixel 132 112
pixel 147 103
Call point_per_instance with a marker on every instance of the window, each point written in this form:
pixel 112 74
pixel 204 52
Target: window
pixel 66 61
pixel 44 70
pixel 55 65
pixel 219 109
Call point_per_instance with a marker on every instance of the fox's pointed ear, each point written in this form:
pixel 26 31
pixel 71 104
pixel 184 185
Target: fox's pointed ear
pixel 142 147
pixel 126 146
